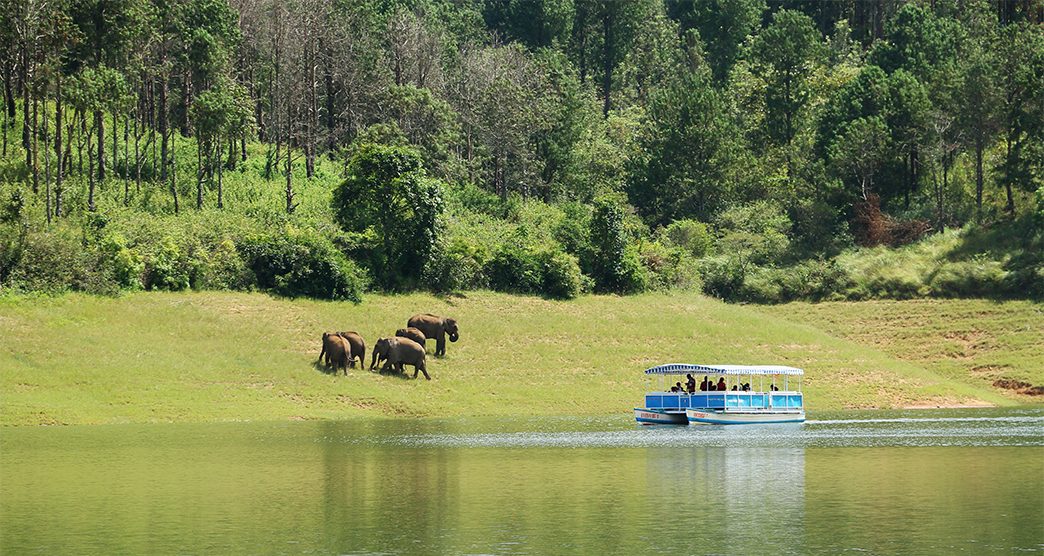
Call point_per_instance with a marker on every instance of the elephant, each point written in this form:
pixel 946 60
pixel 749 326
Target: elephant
pixel 337 350
pixel 358 346
pixel 398 352
pixel 414 334
pixel 434 326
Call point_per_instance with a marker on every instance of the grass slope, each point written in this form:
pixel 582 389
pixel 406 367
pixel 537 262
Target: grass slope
pixel 233 356
pixel 973 341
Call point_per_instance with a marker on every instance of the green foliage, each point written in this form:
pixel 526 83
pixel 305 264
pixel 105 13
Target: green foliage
pixel 616 266
pixel 396 211
pixel 691 235
pixel 296 262
pixel 758 232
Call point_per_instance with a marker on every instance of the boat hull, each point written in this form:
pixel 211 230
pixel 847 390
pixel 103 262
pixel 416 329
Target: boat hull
pixel 660 416
pixel 708 417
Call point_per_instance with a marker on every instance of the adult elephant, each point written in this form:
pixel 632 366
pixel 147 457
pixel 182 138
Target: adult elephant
pixel 434 326
pixel 412 333
pixel 337 351
pixel 358 346
pixel 397 352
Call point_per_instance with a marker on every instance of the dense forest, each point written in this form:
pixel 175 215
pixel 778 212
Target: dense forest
pixel 761 150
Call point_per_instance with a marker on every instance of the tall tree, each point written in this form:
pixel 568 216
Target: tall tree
pixel 784 55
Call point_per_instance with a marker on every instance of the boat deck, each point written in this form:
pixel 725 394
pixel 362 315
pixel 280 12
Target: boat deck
pixel 730 400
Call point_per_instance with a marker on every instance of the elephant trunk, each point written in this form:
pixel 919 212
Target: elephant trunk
pixel 453 336
pixel 373 361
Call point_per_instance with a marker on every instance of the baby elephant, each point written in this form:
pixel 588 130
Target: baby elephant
pixel 358 345
pixel 337 351
pixel 412 333
pixel 398 352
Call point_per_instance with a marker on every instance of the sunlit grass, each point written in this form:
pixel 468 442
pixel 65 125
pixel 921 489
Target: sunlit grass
pixel 973 341
pixel 234 356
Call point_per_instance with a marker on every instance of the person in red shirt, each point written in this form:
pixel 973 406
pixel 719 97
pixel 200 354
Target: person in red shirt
pixel 721 384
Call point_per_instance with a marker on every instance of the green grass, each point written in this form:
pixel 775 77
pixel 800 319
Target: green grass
pixel 231 356
pixel 973 341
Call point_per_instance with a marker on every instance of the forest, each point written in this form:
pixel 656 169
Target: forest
pixel 754 150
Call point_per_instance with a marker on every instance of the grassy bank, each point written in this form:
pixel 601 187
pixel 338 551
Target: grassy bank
pixel 979 342
pixel 234 356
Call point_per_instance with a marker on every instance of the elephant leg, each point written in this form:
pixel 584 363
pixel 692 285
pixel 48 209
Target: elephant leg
pixel 423 368
pixel 440 344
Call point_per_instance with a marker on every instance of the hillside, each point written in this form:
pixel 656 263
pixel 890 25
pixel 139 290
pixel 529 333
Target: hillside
pixel 143 357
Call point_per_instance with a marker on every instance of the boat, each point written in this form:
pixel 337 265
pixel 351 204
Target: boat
pixel 745 400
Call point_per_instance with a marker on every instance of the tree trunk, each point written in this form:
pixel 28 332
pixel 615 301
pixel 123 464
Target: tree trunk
pixel 162 116
pixel 220 172
pixel 978 179
pixel 173 174
pixel 199 174
pixel 99 128
pixel 607 61
pixel 47 158
pixel 90 163
pixel 115 146
pixel 35 166
pixel 1010 206
pixel 58 144
pixel 25 107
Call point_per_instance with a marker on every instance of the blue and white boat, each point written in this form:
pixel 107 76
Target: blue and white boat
pixel 725 395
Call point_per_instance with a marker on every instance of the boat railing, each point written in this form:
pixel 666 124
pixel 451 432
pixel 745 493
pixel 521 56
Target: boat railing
pixel 726 400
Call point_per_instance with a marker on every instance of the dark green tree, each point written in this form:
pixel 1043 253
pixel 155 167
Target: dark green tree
pixel 784 54
pixel 690 151
pixel 724 26
pixel 393 211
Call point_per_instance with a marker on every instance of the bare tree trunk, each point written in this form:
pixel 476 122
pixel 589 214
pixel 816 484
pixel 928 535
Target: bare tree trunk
pixel 35 166
pixel 1010 206
pixel 220 172
pixel 978 178
pixel 58 144
pixel 47 158
pixel 90 163
pixel 162 116
pixel 173 176
pixel 99 128
pixel 115 147
pixel 199 174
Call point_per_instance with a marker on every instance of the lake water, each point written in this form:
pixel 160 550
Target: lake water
pixel 943 482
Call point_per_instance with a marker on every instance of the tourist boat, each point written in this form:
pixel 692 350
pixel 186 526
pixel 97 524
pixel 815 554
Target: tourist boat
pixel 751 402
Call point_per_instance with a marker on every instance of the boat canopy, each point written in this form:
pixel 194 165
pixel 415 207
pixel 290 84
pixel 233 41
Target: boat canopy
pixel 682 368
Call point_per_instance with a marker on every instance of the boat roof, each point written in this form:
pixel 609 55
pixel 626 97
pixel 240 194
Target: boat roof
pixel 684 368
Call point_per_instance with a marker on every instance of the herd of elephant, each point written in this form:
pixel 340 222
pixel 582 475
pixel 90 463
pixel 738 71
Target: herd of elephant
pixel 405 348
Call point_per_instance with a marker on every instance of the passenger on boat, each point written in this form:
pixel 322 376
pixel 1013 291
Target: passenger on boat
pixel 705 385
pixel 746 387
pixel 690 383
pixel 721 384
pixel 774 389
pixel 674 388
pixel 734 388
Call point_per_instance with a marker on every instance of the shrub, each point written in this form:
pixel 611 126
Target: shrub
pixel 691 235
pixel 722 277
pixel 562 278
pixel 616 266
pixel 515 269
pixel 302 263
pixel 757 231
pixel 128 266
pixel 166 268
pixel 670 267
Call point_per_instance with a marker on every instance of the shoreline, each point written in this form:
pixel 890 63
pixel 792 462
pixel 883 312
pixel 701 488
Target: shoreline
pixel 224 356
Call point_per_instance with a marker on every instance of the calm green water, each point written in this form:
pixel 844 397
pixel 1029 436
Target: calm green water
pixel 884 482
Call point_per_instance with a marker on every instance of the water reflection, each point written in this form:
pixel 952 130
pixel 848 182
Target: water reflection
pixel 878 482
